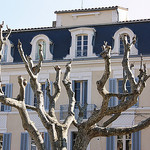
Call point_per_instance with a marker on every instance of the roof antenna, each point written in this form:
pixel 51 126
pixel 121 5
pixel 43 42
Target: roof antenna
pixel 81 4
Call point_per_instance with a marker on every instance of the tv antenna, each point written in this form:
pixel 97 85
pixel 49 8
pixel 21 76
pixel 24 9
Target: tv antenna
pixel 81 4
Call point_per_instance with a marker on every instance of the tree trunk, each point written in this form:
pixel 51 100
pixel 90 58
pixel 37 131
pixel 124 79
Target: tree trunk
pixel 82 141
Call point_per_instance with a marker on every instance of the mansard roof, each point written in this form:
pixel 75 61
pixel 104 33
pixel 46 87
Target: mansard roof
pixel 61 37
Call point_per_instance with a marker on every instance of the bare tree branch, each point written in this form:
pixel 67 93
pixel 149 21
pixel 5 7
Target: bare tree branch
pixel 102 131
pixel 67 83
pixel 53 98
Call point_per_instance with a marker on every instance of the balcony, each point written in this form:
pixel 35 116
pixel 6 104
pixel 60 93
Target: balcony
pixel 64 111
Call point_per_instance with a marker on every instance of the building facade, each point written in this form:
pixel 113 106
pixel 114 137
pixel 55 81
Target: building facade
pixel 77 35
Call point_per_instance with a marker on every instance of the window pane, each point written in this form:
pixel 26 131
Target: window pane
pixel 73 136
pixel 119 145
pixel 81 45
pixel 77 91
pixel 85 42
pixel 78 48
pixel 128 145
pixel 78 43
pixel 4 53
pixel 38 47
pixel 85 37
pixel 78 37
pixel 33 146
pixel 121 45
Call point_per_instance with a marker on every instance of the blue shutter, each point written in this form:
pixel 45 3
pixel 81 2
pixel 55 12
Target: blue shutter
pixel 46 98
pixel 24 145
pixel 84 90
pixel 6 141
pixel 47 141
pixel 136 140
pixel 73 85
pixel 110 143
pixel 29 95
pixel 113 89
pixel 8 93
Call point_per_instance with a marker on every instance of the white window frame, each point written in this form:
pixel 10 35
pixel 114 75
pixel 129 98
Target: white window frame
pixel 48 42
pixel 81 31
pixel 81 89
pixel 82 45
pixel 84 76
pixel 116 37
pixel 9 57
pixel 124 141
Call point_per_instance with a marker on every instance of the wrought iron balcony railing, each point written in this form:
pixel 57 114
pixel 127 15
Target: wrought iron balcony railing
pixel 87 113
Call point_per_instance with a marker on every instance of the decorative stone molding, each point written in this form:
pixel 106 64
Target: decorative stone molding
pixel 34 41
pixel 116 37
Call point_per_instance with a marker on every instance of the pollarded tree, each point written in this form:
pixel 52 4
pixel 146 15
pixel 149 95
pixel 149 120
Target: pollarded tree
pixel 89 128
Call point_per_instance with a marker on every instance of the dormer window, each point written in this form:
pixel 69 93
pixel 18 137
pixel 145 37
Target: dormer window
pixel 47 44
pixel 118 48
pixel 6 52
pixel 43 43
pixel 121 49
pixel 81 44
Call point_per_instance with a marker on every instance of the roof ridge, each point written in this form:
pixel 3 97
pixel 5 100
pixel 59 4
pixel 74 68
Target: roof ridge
pixel 89 9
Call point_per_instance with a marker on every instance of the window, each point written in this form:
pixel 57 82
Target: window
pixel 81 44
pixel 47 46
pixel 128 87
pixel 43 90
pixel 30 97
pixel 115 86
pixel 73 137
pixel 5 141
pixel 118 45
pixel 124 142
pixel 121 51
pixel 33 145
pixel 28 143
pixel 6 52
pixel 120 88
pixel 80 88
pixel 43 43
pixel 7 89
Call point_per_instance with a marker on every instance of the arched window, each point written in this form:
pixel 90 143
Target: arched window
pixel 121 48
pixel 43 43
pixel 118 48
pixel 46 42
pixel 6 52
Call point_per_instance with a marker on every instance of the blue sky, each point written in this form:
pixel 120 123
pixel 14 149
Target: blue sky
pixel 19 14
